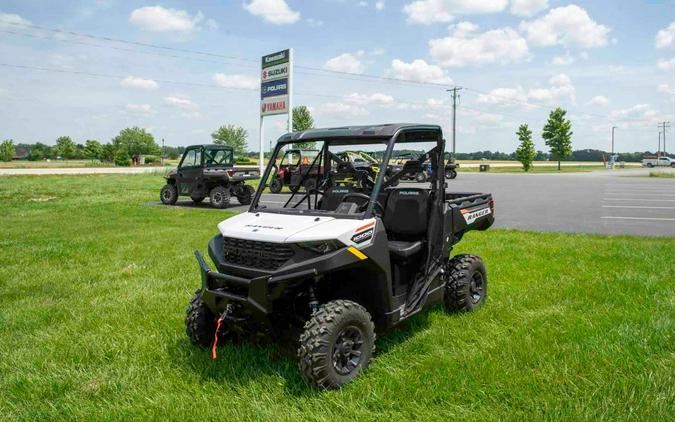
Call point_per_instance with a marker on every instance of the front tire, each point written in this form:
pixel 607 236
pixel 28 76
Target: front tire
pixel 276 185
pixel 200 322
pixel 466 283
pixel 337 345
pixel 169 194
pixel 220 197
pixel 450 174
pixel 245 195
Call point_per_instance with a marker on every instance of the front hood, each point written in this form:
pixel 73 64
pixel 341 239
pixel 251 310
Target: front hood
pixel 268 227
pixel 284 228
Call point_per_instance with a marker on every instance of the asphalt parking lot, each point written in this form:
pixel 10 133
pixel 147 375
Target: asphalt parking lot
pixel 601 202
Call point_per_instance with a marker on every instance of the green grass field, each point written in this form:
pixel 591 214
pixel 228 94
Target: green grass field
pixel 535 169
pixel 94 283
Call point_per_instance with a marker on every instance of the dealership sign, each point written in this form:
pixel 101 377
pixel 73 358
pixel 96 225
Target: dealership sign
pixel 275 77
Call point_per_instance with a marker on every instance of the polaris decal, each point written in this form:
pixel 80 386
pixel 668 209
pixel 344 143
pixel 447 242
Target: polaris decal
pixel 472 215
pixel 364 233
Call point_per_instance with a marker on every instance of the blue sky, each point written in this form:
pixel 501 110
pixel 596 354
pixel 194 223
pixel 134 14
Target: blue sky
pixel 606 62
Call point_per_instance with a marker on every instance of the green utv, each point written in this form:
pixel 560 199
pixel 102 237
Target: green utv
pixel 208 170
pixel 331 266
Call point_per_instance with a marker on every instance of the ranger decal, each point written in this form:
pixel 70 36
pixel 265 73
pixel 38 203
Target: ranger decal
pixel 472 215
pixel 364 233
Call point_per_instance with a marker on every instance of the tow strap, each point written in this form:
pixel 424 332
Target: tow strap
pixel 215 337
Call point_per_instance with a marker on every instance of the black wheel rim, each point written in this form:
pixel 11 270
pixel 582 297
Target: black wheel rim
pixel 347 350
pixel 167 194
pixel 217 198
pixel 476 287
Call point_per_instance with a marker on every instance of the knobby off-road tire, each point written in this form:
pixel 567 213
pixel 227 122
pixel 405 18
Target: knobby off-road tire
pixel 276 185
pixel 466 283
pixel 337 345
pixel 197 199
pixel 169 194
pixel 450 174
pixel 200 323
pixel 245 195
pixel 220 197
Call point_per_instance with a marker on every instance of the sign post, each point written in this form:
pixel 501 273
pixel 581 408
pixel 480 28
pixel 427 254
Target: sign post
pixel 275 90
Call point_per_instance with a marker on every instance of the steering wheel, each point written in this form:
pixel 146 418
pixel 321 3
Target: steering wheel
pixel 378 207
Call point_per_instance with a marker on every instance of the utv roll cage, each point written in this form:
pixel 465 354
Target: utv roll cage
pixel 387 134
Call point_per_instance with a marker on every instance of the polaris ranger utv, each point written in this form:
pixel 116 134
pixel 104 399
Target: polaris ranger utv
pixel 208 170
pixel 330 266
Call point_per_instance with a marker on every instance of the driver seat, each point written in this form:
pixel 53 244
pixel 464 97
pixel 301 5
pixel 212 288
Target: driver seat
pixel 405 219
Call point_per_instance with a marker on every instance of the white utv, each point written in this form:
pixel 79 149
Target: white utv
pixel 335 264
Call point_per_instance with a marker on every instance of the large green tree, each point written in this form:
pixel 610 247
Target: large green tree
pixel 135 141
pixel 93 149
pixel 7 150
pixel 303 120
pixel 558 134
pixel 65 147
pixel 525 152
pixel 233 136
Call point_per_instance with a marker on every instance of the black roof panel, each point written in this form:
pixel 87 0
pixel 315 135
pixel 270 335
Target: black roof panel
pixel 363 131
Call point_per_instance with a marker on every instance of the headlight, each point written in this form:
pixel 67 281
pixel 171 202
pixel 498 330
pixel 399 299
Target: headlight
pixel 322 246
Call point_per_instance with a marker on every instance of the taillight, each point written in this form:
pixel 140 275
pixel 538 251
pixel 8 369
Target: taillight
pixel 230 173
pixel 492 205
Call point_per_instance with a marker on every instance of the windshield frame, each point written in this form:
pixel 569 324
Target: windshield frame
pixel 325 154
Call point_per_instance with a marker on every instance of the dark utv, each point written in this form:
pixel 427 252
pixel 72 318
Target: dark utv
pixel 334 264
pixel 208 170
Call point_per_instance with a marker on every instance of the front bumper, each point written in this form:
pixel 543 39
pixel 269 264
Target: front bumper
pixel 219 289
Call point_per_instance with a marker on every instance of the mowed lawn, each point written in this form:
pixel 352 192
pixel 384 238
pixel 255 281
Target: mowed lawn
pixel 94 283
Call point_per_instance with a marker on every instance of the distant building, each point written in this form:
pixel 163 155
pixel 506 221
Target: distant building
pixel 20 153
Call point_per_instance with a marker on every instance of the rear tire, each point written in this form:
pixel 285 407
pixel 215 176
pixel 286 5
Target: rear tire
pixel 450 174
pixel 276 185
pixel 337 345
pixel 200 322
pixel 466 283
pixel 310 184
pixel 245 195
pixel 197 199
pixel 220 197
pixel 169 194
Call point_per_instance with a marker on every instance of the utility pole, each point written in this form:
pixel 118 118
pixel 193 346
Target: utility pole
pixel 454 118
pixel 658 150
pixel 161 158
pixel 664 126
pixel 613 127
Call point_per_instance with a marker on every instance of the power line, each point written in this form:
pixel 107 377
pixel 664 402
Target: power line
pixel 318 71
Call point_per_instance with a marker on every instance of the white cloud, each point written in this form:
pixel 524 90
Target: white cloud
pixel 504 97
pixel 212 24
pixel 7 19
pixel 314 23
pixel 565 60
pixel 195 115
pixel 340 109
pixel 666 89
pixel 561 88
pixel 345 62
pixel 379 5
pixel 569 26
pixel 432 11
pixel 666 37
pixel 273 11
pixel 366 99
pixel 638 115
pixel 180 102
pixel 527 7
pixel 140 83
pixel 160 19
pixel 145 109
pixel 666 64
pixel 599 100
pixel 465 46
pixel 419 71
pixel 236 81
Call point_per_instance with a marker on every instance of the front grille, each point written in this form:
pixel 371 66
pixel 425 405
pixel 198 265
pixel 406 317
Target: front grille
pixel 254 254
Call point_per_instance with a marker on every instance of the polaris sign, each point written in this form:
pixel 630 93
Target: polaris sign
pixel 274 88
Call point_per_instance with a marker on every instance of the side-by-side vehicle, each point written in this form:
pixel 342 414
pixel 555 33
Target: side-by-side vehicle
pixel 331 266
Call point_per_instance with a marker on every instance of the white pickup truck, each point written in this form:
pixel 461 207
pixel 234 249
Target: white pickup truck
pixel 660 161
